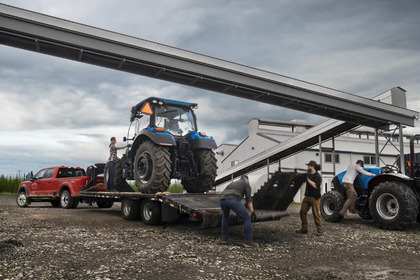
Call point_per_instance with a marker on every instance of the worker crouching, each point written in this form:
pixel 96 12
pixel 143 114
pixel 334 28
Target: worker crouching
pixel 231 199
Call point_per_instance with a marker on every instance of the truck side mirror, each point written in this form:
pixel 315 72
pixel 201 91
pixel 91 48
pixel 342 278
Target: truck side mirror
pixel 30 176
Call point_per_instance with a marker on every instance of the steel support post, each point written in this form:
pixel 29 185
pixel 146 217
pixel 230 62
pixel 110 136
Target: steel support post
pixel 402 159
pixel 333 153
pixel 377 147
pixel 320 150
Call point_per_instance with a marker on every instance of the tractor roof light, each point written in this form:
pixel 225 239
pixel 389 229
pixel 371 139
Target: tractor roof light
pixel 159 129
pixel 203 134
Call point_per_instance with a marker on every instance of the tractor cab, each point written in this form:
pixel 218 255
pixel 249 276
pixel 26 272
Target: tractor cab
pixel 174 117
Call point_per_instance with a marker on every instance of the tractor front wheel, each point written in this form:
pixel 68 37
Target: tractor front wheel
pixel 152 167
pixel 393 206
pixel 331 203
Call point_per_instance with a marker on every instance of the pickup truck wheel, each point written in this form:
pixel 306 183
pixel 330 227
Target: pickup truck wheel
pixel 130 209
pixel 105 204
pixel 152 167
pixel 331 204
pixel 393 206
pixel 207 166
pixel 55 203
pixel 76 202
pixel 22 199
pixel 66 200
pixel 150 212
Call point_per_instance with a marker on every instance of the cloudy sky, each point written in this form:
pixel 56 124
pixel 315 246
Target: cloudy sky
pixel 59 112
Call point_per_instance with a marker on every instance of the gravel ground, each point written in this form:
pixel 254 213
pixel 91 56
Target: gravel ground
pixel 42 242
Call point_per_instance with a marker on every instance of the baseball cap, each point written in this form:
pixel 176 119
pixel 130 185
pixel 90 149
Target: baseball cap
pixel 360 161
pixel 312 163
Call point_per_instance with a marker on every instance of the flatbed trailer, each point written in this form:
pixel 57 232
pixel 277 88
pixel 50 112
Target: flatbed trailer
pixel 165 207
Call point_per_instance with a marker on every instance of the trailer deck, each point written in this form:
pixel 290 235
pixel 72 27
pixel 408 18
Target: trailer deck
pixel 199 207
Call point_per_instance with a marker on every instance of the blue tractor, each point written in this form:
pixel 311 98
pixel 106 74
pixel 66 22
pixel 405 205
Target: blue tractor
pixel 391 198
pixel 167 145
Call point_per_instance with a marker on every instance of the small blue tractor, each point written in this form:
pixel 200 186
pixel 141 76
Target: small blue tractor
pixel 167 145
pixel 391 198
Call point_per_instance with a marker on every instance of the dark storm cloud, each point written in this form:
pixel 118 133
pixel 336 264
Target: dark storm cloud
pixel 361 47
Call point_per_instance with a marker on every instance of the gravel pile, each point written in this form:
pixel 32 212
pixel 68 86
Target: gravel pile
pixel 42 242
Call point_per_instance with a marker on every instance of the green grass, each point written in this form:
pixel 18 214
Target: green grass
pixel 9 185
pixel 176 188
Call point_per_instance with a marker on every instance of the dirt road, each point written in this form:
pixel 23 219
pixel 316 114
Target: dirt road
pixel 42 242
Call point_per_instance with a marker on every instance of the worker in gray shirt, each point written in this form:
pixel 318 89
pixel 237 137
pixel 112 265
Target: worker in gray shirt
pixel 231 199
pixel 352 171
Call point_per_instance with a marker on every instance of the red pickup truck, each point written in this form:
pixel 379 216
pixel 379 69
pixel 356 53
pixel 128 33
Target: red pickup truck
pixel 59 185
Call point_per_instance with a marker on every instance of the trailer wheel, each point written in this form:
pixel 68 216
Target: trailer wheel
pixel 105 204
pixel 152 167
pixel 130 209
pixel 393 206
pixel 207 165
pixel 66 200
pixel 331 204
pixel 150 212
pixel 22 199
pixel 55 203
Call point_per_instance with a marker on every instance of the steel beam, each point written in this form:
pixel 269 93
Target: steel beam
pixel 53 36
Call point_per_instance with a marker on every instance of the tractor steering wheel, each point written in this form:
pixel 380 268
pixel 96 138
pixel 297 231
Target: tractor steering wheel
pixel 390 169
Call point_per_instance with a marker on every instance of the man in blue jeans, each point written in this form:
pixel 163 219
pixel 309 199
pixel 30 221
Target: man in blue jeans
pixel 231 199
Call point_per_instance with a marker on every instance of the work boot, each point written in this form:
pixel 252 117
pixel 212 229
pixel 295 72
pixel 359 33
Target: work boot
pixel 250 244
pixel 302 231
pixel 223 241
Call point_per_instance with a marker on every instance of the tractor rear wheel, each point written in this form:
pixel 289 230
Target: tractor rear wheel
pixel 207 166
pixel 152 167
pixel 331 204
pixel 393 206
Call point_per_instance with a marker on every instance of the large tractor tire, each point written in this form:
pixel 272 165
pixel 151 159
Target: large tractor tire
pixel 393 206
pixel 118 178
pixel 207 164
pixel 331 203
pixel 152 167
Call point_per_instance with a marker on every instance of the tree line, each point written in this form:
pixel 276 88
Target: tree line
pixel 9 184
